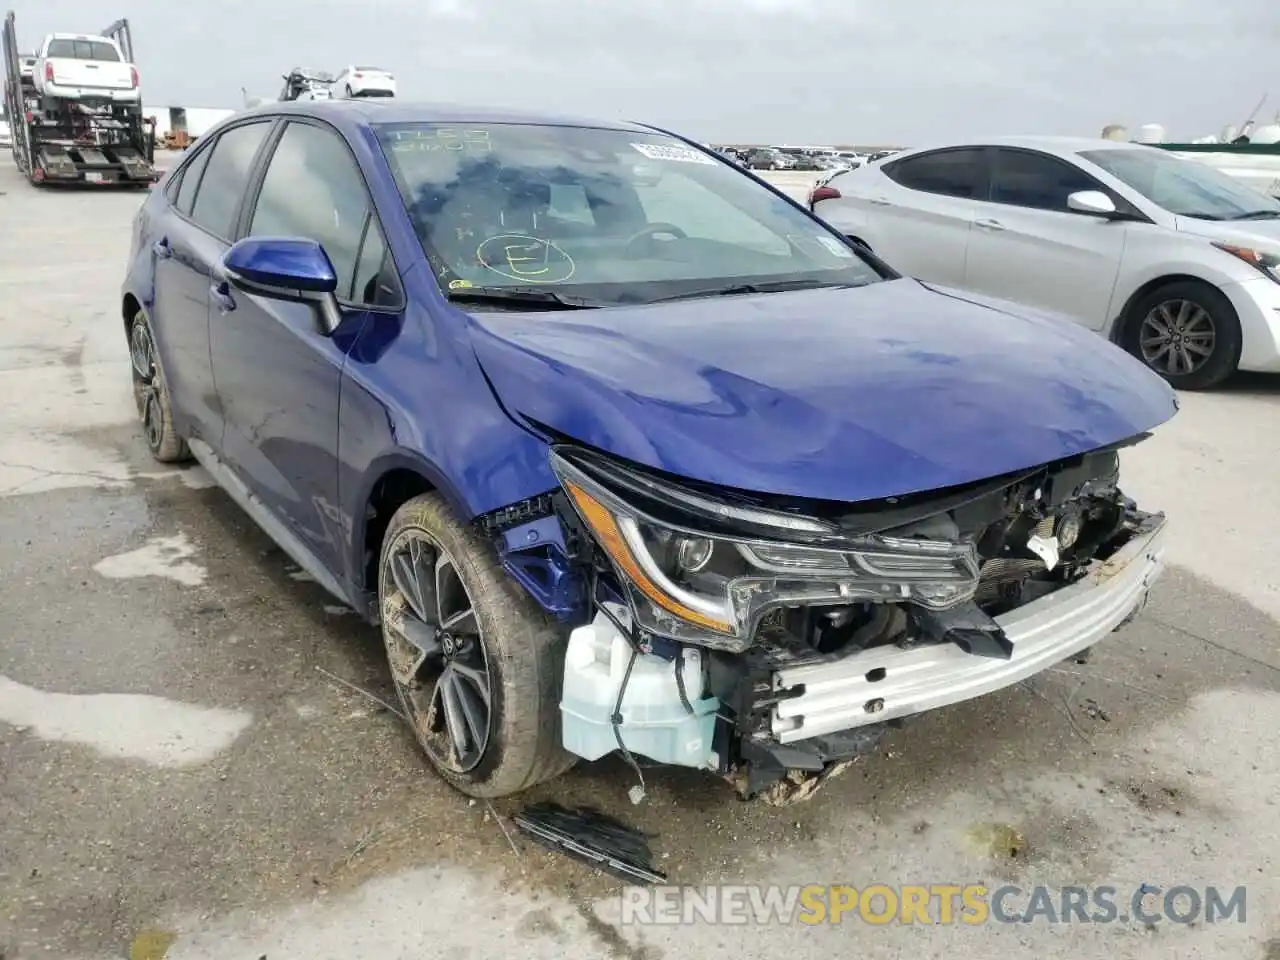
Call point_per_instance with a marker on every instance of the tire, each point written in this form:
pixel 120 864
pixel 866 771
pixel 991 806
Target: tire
pixel 520 647
pixel 151 395
pixel 1195 315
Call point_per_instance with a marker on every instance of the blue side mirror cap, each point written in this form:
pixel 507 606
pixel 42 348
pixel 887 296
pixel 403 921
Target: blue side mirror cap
pixel 287 264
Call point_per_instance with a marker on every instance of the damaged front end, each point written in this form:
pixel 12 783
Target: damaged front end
pixel 773 640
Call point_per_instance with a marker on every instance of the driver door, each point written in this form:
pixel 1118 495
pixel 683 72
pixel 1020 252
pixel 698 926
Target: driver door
pixel 279 373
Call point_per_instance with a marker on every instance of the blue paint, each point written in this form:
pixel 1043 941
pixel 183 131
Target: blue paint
pixel 286 263
pixel 536 533
pixel 837 394
pixel 842 394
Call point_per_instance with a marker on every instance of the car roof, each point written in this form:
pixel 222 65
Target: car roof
pixel 366 112
pixel 1048 144
pixel 81 36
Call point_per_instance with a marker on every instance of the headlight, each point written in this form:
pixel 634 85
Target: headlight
pixel 1268 263
pixel 712 589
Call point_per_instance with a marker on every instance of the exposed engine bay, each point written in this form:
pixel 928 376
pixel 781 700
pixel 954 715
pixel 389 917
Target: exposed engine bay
pixel 774 641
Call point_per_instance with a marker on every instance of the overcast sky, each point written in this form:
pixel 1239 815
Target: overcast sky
pixel 780 71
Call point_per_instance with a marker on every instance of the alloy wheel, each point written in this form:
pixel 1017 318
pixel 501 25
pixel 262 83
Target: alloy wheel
pixel 146 389
pixel 436 651
pixel 1177 337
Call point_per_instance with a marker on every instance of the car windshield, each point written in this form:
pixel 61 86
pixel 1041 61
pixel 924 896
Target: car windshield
pixel 82 50
pixel 1186 188
pixel 604 216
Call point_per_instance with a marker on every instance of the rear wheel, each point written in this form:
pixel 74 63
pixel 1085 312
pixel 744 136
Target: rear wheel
pixel 1186 331
pixel 151 394
pixel 477 665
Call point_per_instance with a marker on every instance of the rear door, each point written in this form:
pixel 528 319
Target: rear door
pixel 191 237
pixel 919 210
pixel 279 373
pixel 1028 246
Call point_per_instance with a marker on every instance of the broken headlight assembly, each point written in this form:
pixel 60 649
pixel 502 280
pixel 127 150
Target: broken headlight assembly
pixel 694 580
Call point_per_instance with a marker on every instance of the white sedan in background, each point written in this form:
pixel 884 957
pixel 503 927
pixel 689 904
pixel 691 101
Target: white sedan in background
pixel 356 82
pixel 1174 261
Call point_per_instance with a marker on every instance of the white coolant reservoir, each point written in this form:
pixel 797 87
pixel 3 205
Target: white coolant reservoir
pixel 655 721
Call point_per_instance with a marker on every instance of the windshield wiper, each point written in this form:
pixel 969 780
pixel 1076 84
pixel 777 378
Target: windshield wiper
pixel 774 286
pixel 1257 215
pixel 523 296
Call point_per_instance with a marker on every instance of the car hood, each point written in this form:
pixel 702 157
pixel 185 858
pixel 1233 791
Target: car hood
pixel 836 394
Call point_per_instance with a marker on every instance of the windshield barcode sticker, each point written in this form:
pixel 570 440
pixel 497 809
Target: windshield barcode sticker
pixel 678 154
pixel 836 248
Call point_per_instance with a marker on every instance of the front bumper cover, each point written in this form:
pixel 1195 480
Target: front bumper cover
pixel 882 684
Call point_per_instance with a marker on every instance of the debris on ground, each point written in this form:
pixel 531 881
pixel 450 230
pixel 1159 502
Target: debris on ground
pixel 800 785
pixel 593 837
pixel 1094 711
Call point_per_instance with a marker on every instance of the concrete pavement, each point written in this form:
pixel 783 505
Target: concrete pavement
pixel 181 776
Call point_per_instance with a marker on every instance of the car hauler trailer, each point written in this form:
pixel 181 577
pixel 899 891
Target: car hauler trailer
pixel 77 140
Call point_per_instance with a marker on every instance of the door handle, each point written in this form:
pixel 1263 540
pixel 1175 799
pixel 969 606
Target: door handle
pixel 162 249
pixel 988 224
pixel 220 291
pixel 881 201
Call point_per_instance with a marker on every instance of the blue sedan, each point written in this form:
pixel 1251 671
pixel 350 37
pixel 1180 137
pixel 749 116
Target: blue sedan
pixel 622 448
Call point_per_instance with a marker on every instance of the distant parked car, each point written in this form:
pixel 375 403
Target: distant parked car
pixel 1173 260
pixel 355 82
pixel 301 83
pixel 763 159
pixel 6 135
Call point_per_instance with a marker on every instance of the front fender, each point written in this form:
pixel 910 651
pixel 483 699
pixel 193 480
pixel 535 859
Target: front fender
pixel 421 403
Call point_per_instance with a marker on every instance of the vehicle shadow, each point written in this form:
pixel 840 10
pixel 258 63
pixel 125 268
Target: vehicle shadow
pixel 1251 385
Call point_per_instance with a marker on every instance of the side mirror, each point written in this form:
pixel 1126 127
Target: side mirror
pixel 286 268
pixel 1093 202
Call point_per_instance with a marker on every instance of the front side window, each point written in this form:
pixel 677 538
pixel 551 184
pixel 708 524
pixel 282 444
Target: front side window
pixel 313 189
pixel 950 173
pixel 1185 188
pixel 610 216
pixel 225 174
pixel 1027 179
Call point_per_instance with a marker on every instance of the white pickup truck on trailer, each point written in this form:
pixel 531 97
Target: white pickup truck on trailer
pixel 80 66
pixel 76 118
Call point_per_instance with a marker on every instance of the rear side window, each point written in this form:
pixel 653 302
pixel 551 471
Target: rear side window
pixel 1028 179
pixel 313 189
pixel 225 175
pixel 190 180
pixel 949 173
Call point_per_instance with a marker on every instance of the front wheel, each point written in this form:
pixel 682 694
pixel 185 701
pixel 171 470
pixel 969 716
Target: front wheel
pixel 1188 332
pixel 477 665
